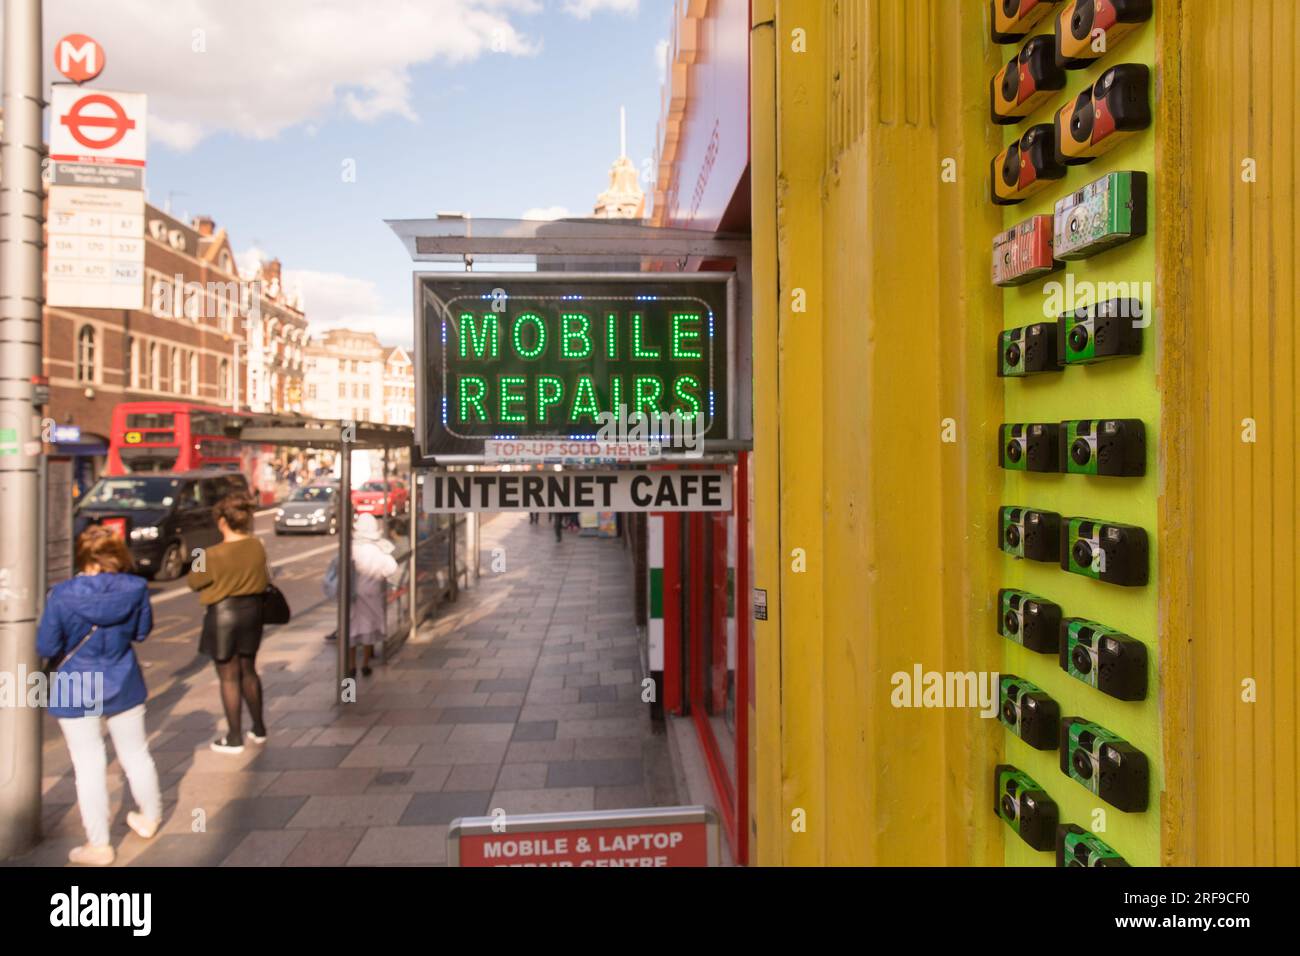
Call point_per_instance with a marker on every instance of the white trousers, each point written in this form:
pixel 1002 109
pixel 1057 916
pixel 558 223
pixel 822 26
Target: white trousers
pixel 85 739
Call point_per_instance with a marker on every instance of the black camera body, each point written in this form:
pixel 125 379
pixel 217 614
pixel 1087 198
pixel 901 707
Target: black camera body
pixel 1076 847
pixel 1026 533
pixel 1104 658
pixel 1023 805
pixel 1113 553
pixel 1104 114
pixel 1029 446
pixel 1095 333
pixel 1032 622
pixel 1028 350
pixel 1109 447
pixel 1027 166
pixel 1105 764
pixel 1026 82
pixel 1029 712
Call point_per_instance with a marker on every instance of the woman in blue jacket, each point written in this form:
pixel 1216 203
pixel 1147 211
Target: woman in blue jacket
pixel 87 631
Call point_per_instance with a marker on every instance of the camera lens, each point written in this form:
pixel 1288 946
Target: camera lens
pixel 1008 807
pixel 1082 764
pixel 1009 712
pixel 1013 536
pixel 1081 21
pixel 1013 354
pixel 1079 338
pixel 1081 660
pixel 1011 167
pixel 1081 451
pixel 1082 119
pixel 1011 80
pixel 1012 622
pixel 1082 553
pixel 1010 8
pixel 1013 451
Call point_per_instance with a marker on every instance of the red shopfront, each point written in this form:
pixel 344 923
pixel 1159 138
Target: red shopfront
pixel 700 589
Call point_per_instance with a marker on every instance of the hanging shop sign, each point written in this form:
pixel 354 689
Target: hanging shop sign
pixel 598 358
pixel 566 491
pixel 654 837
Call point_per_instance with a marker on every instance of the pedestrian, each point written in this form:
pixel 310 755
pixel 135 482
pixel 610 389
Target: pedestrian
pixel 231 588
pixel 374 566
pixel 87 631
pixel 534 517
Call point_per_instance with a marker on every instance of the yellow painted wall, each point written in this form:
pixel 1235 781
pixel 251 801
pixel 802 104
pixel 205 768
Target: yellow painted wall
pixel 897 527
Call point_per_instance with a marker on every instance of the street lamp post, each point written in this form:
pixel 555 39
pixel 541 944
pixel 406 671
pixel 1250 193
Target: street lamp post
pixel 21 235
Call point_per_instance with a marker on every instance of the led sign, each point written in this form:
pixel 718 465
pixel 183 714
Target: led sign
pixel 526 355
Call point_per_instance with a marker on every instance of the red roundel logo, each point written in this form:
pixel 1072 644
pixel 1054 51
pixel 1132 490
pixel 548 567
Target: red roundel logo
pixel 78 57
pixel 100 129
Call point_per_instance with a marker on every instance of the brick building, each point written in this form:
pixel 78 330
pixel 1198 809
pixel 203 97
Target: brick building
pixel 206 335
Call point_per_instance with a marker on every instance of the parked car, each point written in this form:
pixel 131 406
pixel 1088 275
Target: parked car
pixel 163 517
pixel 369 498
pixel 312 509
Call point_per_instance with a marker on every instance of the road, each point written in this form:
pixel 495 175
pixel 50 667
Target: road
pixel 298 563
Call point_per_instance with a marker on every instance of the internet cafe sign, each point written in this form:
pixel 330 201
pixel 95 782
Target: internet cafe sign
pixel 540 366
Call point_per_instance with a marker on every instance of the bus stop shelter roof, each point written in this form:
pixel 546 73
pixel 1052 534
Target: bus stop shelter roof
pixel 453 238
pixel 323 434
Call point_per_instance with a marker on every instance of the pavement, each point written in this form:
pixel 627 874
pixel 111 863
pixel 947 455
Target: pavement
pixel 523 695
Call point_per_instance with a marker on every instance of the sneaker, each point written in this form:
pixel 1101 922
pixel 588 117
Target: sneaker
pixel 332 636
pixel 366 671
pixel 92 855
pixel 142 825
pixel 255 737
pixel 227 745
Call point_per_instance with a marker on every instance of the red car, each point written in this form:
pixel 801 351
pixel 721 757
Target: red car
pixel 369 498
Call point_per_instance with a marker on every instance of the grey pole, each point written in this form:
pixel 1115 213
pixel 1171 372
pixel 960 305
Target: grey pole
pixel 21 240
pixel 344 511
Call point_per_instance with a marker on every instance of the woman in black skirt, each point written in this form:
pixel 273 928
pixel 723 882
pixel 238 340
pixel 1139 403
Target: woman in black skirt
pixel 230 586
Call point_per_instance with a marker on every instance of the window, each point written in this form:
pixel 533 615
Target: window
pixel 343 390
pixel 311 392
pixel 223 379
pixel 155 367
pixel 86 354
pixel 176 369
pixel 133 362
pixel 365 389
pixel 194 373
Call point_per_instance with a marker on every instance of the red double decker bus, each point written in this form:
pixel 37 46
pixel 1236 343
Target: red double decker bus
pixel 179 436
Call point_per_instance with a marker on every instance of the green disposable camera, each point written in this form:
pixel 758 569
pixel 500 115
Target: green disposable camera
pixel 1032 622
pixel 1024 806
pixel 1027 350
pixel 1075 846
pixel 1029 446
pixel 1105 764
pixel 1095 333
pixel 1102 657
pixel 1112 447
pixel 1026 533
pixel 1113 553
pixel 1028 712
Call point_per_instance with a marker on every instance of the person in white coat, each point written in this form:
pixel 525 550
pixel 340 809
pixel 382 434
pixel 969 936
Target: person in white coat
pixel 374 567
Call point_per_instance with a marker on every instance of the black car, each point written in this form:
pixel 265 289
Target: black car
pixel 163 517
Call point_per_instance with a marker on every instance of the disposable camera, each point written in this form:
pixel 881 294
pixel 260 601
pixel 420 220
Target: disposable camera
pixel 1109 447
pixel 1027 166
pixel 1028 533
pixel 1024 252
pixel 1113 553
pixel 1024 806
pixel 1105 114
pixel 1075 846
pixel 1029 446
pixel 1027 350
pixel 1013 20
pixel 1075 45
pixel 1029 620
pixel 1101 215
pixel 1102 657
pixel 1105 764
pixel 1028 712
pixel 1095 333
pixel 1026 82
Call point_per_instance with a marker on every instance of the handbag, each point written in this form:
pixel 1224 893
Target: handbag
pixel 275 608
pixel 52 666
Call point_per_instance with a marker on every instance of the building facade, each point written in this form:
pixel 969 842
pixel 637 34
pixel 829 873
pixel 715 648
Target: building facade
pixel 206 335
pixel 399 388
pixel 344 376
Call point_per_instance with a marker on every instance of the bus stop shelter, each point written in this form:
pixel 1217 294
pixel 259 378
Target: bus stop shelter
pixel 345 438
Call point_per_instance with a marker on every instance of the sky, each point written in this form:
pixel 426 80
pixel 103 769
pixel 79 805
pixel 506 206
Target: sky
pixel 300 125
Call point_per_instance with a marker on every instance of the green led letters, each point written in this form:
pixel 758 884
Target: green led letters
pixel 479 338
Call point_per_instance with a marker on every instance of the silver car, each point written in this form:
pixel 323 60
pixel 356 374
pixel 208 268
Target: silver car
pixel 310 510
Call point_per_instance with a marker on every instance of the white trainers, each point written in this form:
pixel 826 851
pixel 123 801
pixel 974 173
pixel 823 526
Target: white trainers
pixel 142 825
pixel 92 855
pixel 223 745
pixel 254 738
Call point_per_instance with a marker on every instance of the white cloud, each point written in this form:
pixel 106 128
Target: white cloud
pixel 546 212
pixel 583 9
pixel 259 67
pixel 661 59
pixel 332 300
